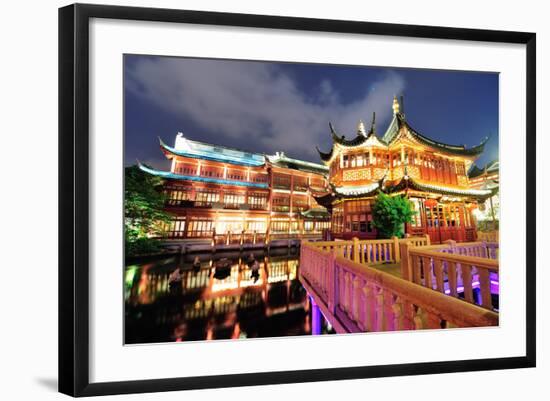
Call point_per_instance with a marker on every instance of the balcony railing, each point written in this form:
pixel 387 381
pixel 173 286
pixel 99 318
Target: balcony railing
pixel 454 269
pixel 213 205
pixel 356 297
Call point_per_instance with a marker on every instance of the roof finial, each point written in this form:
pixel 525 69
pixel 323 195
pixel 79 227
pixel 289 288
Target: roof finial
pixel 361 128
pixel 395 105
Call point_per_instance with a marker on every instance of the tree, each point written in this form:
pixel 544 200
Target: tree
pixel 144 214
pixel 390 213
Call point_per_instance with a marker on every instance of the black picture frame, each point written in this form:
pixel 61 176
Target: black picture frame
pixel 74 198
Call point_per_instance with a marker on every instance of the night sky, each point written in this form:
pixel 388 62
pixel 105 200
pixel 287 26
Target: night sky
pixel 267 107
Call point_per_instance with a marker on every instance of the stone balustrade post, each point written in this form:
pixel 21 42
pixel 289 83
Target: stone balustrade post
pixel 452 245
pixel 356 250
pixel 332 283
pixel 406 265
pixel 396 253
pixel 428 242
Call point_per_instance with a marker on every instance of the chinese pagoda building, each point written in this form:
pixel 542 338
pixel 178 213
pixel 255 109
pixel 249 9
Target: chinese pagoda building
pixel 487 178
pixel 431 174
pixel 215 190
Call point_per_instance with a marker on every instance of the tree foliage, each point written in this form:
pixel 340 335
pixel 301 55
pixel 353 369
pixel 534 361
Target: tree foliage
pixel 144 214
pixel 390 213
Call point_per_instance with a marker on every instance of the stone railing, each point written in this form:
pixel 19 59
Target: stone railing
pixel 356 297
pixel 480 249
pixel 488 236
pixel 445 269
pixel 371 251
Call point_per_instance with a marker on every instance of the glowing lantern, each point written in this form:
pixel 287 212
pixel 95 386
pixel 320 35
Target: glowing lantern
pixel 430 202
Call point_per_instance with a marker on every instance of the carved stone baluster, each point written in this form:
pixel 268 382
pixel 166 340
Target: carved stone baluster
pixel 356 299
pixel 451 275
pixel 370 307
pixel 344 292
pixel 389 315
pixel 427 268
pixel 432 321
pixel 467 282
pixel 362 291
pixel 398 318
pixel 438 270
pixel 369 250
pixel 417 277
pixel 418 319
pixel 408 313
pixel 380 315
pixel 485 289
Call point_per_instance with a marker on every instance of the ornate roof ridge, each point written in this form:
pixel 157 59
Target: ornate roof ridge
pixel 173 176
pixel 456 149
pixel 216 153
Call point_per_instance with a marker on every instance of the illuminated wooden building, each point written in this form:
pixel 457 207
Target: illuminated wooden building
pixel 486 178
pixel 215 190
pixel 433 175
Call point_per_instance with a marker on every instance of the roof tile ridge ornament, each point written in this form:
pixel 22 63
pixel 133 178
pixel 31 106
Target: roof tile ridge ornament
pixel 382 180
pixel 361 128
pixel 372 130
pixel 335 136
pixel 395 105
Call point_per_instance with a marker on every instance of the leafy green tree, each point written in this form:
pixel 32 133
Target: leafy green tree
pixel 144 214
pixel 390 213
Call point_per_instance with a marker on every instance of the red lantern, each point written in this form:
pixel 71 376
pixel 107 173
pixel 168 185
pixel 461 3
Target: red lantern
pixel 430 202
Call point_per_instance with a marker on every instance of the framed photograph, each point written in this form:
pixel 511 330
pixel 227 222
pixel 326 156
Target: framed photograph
pixel 251 199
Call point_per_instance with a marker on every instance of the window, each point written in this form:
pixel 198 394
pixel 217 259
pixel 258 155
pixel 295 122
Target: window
pixel 260 178
pixel 257 200
pixel 281 204
pixel 236 175
pixel 200 228
pixel 185 169
pixel 176 228
pixel 346 161
pixel 299 203
pixel 300 184
pixel 281 181
pixel 177 196
pixel 258 225
pixel 206 198
pixel 279 226
pixel 416 219
pixel 337 219
pixel 211 172
pixel 233 200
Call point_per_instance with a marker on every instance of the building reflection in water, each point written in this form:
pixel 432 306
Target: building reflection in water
pixel 211 302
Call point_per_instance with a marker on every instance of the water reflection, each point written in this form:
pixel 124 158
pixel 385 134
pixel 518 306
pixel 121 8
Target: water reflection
pixel 221 296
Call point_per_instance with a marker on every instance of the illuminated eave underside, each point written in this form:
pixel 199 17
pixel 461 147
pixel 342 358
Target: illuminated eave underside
pixel 254 160
pixel 172 176
pixel 409 184
pixel 357 190
pixel 449 190
pixel 295 164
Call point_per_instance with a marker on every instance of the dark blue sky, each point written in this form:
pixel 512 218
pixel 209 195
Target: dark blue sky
pixel 269 107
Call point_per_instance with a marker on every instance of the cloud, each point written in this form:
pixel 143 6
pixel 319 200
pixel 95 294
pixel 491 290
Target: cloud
pixel 256 101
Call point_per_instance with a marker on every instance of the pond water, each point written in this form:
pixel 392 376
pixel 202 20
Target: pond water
pixel 218 296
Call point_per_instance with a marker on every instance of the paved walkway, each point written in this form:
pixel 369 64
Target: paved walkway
pixel 392 268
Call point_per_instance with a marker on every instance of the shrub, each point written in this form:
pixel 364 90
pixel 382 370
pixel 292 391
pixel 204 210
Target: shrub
pixel 390 213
